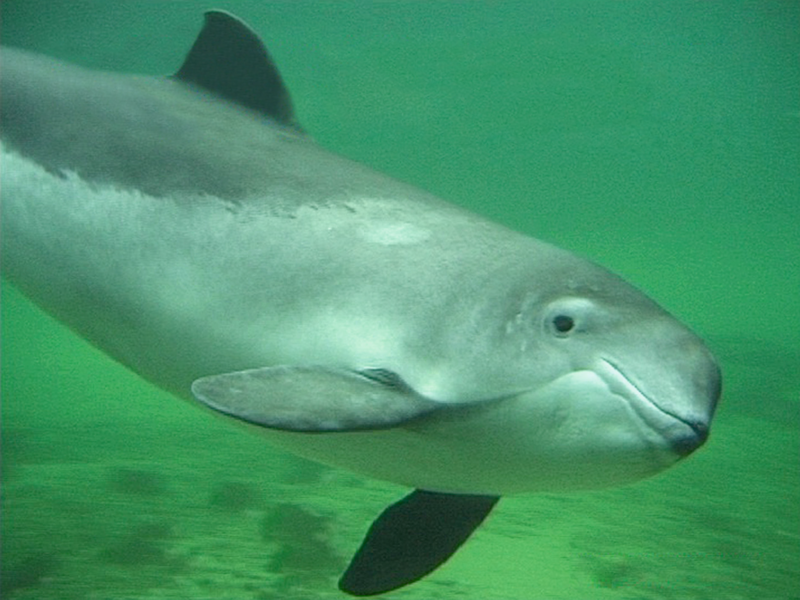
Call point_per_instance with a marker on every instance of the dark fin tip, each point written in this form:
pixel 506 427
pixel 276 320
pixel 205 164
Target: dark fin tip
pixel 229 59
pixel 411 538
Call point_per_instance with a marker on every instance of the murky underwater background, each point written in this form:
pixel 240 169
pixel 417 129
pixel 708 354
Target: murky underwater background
pixel 658 138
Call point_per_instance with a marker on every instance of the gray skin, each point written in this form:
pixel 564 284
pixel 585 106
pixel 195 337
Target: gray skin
pixel 199 237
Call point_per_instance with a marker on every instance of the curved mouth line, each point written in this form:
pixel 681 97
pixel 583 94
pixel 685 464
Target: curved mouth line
pixel 620 385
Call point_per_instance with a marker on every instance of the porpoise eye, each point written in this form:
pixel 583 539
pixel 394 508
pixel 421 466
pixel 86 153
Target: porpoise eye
pixel 563 323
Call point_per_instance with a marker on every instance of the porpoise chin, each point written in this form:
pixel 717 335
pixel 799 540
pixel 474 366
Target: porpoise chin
pixel 190 228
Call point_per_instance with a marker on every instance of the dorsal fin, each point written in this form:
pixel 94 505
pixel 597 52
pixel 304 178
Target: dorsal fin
pixel 229 59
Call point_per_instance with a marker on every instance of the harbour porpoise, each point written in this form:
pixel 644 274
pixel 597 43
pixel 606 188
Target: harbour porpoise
pixel 190 228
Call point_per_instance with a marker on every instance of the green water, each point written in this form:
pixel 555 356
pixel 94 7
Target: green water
pixel 659 138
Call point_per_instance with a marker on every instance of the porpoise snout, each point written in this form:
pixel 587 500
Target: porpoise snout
pixel 710 390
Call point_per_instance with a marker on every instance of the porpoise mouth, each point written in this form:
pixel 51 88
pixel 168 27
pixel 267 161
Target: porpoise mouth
pixel 684 435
